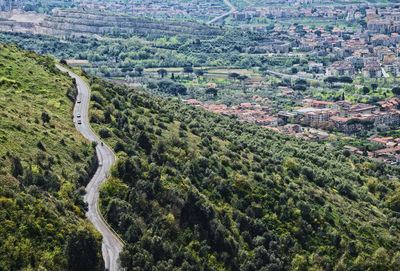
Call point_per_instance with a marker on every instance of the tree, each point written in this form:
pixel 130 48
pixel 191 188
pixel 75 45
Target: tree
pixel 212 91
pixel 330 80
pixel 363 23
pixel 328 28
pixel 178 89
pixel 299 263
pixel 114 209
pixel 199 73
pixel 380 260
pixel 143 141
pixel 299 87
pixel 188 69
pixel 365 90
pixel 242 78
pixel 16 167
pixel 45 117
pixel 346 190
pixel 234 75
pixel 104 133
pixel 139 70
pixel 83 250
pixel 395 264
pixel 294 70
pixel 396 90
pixel 162 72
pixel 393 202
pixel 291 165
pixel 300 82
pixel 345 79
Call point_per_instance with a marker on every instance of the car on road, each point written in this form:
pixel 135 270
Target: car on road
pixel 79 122
pixel 78 115
pixel 79 101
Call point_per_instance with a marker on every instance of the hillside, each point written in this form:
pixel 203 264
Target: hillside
pixel 197 191
pixel 44 165
pixel 191 190
pixel 87 23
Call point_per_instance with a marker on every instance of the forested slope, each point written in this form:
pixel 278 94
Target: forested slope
pixel 197 191
pixel 44 165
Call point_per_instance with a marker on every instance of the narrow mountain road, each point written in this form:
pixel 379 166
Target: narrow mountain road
pixel 111 246
pixel 232 9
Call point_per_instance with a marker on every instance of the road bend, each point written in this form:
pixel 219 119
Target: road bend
pixel 111 246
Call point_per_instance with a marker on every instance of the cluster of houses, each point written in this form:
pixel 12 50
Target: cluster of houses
pixel 309 121
pixel 383 20
pixel 341 116
pixel 372 51
pixel 387 149
pixel 279 11
pixel 344 116
pixel 249 112
pixel 374 61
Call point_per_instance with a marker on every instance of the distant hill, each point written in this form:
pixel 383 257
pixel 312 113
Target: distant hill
pixel 87 23
pixel 44 165
pixel 192 190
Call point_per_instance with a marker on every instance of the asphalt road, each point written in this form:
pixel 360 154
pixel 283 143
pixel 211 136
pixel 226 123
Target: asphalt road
pixel 384 73
pixel 111 246
pixel 232 9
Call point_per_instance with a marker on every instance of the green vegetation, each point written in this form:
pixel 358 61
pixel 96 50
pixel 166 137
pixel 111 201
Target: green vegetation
pixel 197 191
pixel 116 57
pixel 44 165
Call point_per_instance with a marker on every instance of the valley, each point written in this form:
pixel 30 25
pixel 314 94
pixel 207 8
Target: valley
pixel 199 135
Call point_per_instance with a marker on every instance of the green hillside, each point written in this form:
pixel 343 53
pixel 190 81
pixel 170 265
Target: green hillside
pixel 191 190
pixel 197 191
pixel 44 165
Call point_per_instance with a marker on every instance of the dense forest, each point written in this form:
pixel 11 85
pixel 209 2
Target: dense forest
pixel 44 165
pixel 192 190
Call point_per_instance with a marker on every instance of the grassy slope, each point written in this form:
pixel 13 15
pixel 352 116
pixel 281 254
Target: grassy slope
pixel 190 177
pixel 41 207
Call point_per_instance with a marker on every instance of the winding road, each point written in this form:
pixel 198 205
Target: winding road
pixel 111 246
pixel 232 9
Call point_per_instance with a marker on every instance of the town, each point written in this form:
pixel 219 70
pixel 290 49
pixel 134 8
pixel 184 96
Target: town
pixel 316 118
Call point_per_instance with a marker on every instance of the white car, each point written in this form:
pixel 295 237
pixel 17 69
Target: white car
pixel 78 115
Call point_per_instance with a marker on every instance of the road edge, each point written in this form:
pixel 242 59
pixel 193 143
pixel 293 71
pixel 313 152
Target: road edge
pixel 116 235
